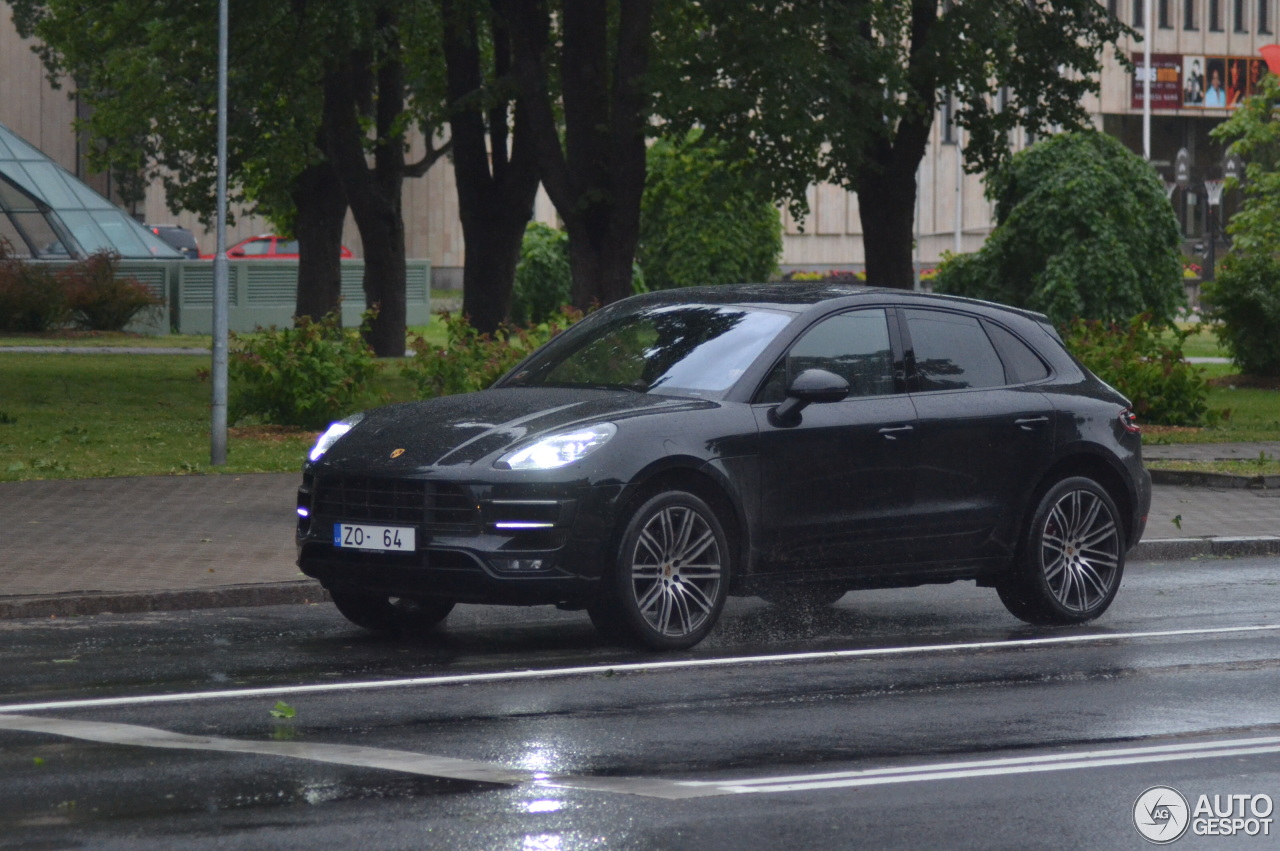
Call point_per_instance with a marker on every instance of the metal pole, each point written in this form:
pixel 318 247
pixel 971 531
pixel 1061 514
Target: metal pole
pixel 1148 73
pixel 221 290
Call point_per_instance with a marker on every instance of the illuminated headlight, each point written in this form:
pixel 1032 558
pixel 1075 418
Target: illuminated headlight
pixel 331 436
pixel 558 450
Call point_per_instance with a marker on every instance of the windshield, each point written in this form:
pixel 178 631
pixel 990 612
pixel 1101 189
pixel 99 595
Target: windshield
pixel 681 350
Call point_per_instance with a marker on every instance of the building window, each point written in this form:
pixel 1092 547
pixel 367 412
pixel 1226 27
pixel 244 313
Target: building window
pixel 948 119
pixel 1189 17
pixel 1162 14
pixel 1139 13
pixel 1215 16
pixel 1113 8
pixel 1264 16
pixel 1239 16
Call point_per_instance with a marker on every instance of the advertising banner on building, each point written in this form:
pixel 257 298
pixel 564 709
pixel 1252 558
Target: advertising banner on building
pixel 1194 81
pixel 1166 81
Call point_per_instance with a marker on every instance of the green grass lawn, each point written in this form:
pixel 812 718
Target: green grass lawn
pixel 70 416
pixel 85 416
pixel 1202 343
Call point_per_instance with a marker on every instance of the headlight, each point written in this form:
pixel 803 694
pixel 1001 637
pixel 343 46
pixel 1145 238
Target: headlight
pixel 558 450
pixel 330 437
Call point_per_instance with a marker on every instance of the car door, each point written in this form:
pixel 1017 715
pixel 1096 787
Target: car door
pixel 836 487
pixel 984 431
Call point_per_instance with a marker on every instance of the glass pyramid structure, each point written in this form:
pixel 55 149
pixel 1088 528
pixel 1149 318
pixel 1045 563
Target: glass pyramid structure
pixel 47 214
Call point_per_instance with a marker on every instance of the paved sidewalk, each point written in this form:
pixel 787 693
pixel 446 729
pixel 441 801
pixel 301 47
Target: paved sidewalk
pixel 138 544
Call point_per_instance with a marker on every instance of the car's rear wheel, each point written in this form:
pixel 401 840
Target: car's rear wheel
pixel 383 614
pixel 1071 559
pixel 671 576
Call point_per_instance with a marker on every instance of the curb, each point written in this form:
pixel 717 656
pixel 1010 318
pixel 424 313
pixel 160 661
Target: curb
pixel 1164 549
pixel 1189 478
pixel 75 603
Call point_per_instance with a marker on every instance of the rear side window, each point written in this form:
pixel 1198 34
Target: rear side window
pixel 952 352
pixel 1022 364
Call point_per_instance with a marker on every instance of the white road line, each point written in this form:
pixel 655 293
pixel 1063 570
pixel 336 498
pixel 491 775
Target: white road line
pixel 683 789
pixel 634 667
pixel 410 762
pixel 354 755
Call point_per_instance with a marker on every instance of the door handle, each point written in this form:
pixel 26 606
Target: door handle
pixel 1030 423
pixel 894 432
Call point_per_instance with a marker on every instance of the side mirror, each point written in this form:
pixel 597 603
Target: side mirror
pixel 811 386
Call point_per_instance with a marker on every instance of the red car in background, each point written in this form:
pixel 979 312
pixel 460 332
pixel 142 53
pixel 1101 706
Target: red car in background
pixel 268 246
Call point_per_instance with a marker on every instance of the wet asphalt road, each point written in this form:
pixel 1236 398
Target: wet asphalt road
pixel 916 718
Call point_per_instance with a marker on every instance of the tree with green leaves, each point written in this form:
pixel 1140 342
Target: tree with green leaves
pixel 847 91
pixel 1245 297
pixel 1253 132
pixel 148 80
pixel 1083 229
pixel 319 120
pixel 703 220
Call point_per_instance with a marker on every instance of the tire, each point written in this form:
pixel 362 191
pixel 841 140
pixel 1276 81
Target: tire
pixel 389 615
pixel 802 596
pixel 670 577
pixel 1071 559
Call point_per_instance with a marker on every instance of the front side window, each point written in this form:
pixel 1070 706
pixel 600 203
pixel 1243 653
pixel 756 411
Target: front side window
pixel 952 352
pixel 682 350
pixel 855 346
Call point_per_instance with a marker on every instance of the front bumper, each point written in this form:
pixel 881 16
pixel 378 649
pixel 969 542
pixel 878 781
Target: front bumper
pixel 523 543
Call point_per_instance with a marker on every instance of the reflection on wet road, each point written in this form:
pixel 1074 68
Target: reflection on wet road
pixel 521 729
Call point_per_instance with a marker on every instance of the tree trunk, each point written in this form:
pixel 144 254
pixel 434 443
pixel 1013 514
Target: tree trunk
pixel 496 187
pixel 322 207
pixel 887 205
pixel 373 82
pixel 596 178
pixel 886 179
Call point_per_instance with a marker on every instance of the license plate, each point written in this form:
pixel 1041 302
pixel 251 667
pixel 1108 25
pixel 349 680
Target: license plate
pixel 385 538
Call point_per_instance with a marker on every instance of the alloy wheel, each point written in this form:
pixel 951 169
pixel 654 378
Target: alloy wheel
pixel 676 571
pixel 1080 551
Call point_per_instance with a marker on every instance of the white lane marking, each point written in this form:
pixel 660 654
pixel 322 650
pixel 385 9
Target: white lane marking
pixel 633 667
pixel 354 755
pixel 682 789
pixel 410 762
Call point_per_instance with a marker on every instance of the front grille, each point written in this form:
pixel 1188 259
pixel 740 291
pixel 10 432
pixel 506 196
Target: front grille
pixel 438 507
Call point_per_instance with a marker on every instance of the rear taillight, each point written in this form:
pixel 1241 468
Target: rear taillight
pixel 1129 420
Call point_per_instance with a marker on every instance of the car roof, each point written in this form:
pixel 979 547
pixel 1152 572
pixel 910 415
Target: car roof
pixel 796 297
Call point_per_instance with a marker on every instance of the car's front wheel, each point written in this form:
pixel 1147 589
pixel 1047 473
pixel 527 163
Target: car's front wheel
pixel 671 576
pixel 1071 559
pixel 383 614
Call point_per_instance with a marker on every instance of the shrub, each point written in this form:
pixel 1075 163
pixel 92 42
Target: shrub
pixel 1245 301
pixel 702 221
pixel 1083 230
pixel 101 300
pixel 543 279
pixel 473 361
pixel 32 298
pixel 306 376
pixel 1134 358
pixel 544 282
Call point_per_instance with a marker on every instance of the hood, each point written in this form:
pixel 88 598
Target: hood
pixel 460 430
